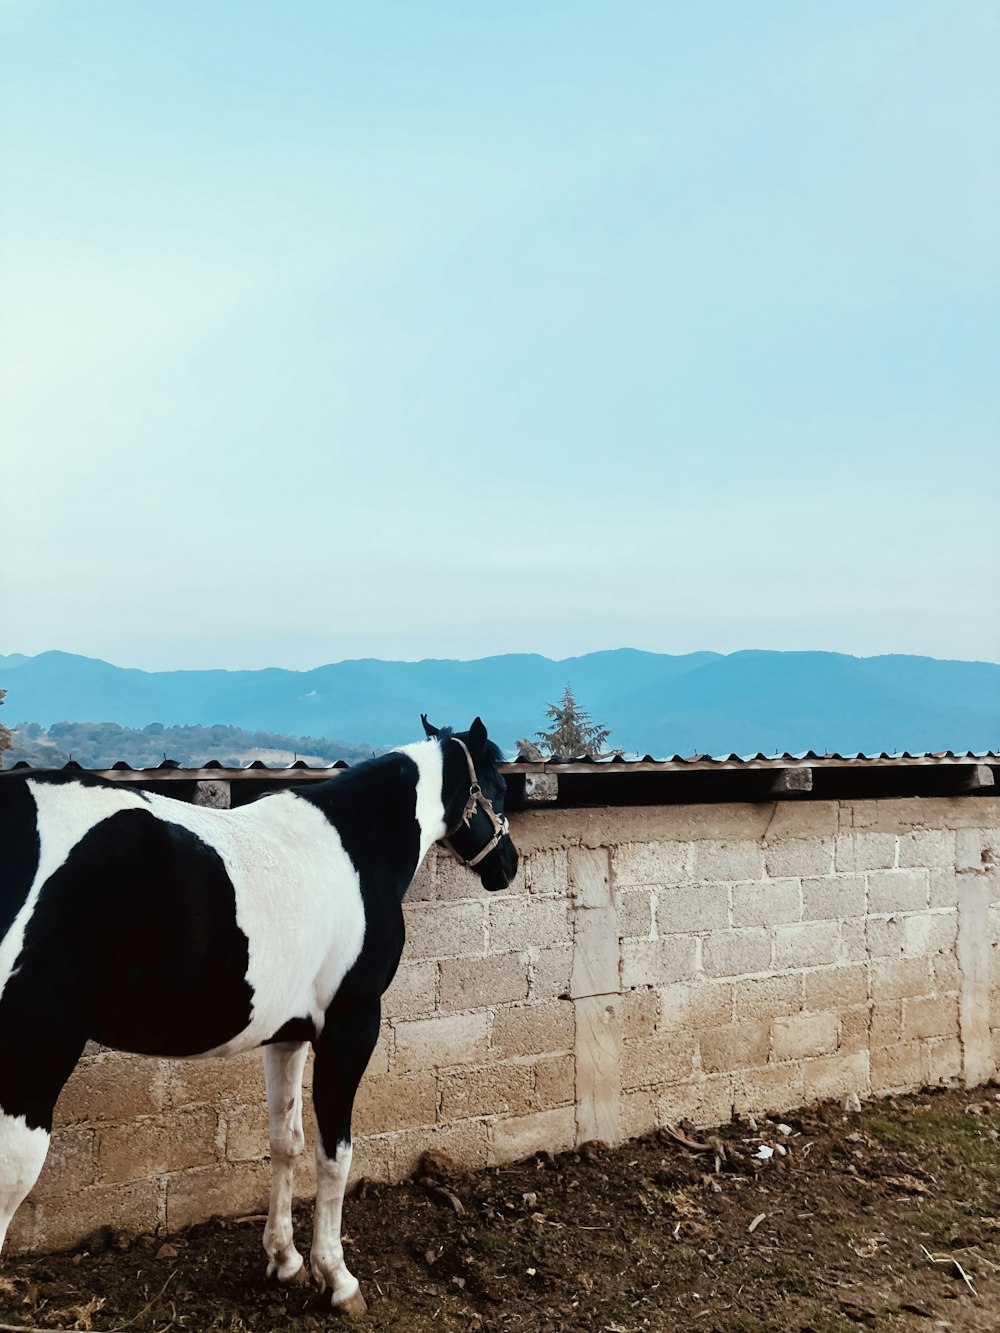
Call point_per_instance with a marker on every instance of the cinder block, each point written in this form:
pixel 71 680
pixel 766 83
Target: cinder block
pixel 247 1133
pixel 637 1113
pixel 804 1036
pixel 768 997
pixel 421 890
pixel 455 882
pixel 886 1022
pixel 445 930
pixel 897 891
pixel 837 1075
pixel 112 1087
pixel 129 1209
pixel 899 978
pixel 767 902
pixel 381 1057
pixel 959 812
pixel 532 1029
pixel 546 873
pixel 946 975
pixel 517 923
pixel 798 857
pixel 640 1014
pixel 854 940
pixel 855 1031
pixel 658 962
pixel 931 1016
pixel 738 860
pixel 372 1159
pixel 551 969
pixel 899 1068
pixel 471 983
pixel 886 936
pixel 696 1005
pixel 833 898
pixel 836 987
pixel 664 1059
pixel 413 992
pixel 943 887
pixel 930 932
pixel 812 944
pixel 555 1082
pixel 777 1088
pixel 736 953
pixel 504 1090
pixel 816 820
pixel 927 847
pixel 151 1147
pixel 977 850
pixel 216 1191
pixel 857 852
pixel 706 1101
pixel 635 914
pixel 69 1166
pixel 550 1131
pixel 215 1082
pixel 945 1059
pixel 651 863
pixel 735 1046
pixel 395 1101
pixel 432 1043
pixel 697 907
pixel 711 823
pixel 466 1141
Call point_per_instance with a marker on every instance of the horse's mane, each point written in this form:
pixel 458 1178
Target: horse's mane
pixel 493 752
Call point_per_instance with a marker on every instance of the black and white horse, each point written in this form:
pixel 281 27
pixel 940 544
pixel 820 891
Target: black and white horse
pixel 154 926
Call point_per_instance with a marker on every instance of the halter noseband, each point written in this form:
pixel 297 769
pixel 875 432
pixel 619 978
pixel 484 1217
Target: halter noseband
pixel 476 798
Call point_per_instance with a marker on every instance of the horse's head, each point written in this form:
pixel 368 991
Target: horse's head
pixel 473 792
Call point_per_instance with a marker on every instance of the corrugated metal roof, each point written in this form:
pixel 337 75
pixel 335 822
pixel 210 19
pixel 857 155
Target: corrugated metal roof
pixel 169 768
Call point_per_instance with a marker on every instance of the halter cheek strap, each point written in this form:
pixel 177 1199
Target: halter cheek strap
pixel 476 800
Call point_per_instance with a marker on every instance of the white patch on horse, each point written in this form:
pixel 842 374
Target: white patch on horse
pixel 62 823
pixel 327 1255
pixel 430 812
pixel 22 1151
pixel 298 902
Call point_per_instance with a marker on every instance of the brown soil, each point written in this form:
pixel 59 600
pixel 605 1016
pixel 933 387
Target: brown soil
pixel 883 1219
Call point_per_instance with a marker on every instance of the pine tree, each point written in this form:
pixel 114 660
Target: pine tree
pixel 573 733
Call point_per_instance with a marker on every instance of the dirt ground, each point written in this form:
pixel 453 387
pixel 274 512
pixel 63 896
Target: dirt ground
pixel 885 1218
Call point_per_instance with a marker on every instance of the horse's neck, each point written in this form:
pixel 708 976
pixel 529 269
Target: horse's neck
pixel 429 804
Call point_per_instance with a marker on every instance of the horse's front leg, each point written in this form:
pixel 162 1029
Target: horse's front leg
pixel 342 1054
pixel 283 1064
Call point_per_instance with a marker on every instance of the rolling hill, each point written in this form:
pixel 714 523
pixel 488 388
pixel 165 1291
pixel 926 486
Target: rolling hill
pixel 654 703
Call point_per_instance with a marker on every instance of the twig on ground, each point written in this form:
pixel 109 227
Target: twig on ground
pixel 950 1259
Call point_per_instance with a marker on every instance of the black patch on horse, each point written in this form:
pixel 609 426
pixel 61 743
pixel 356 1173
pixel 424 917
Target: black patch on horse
pixel 134 943
pixel 19 848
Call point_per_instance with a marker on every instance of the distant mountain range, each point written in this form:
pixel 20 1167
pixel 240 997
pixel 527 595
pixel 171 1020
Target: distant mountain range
pixel 654 703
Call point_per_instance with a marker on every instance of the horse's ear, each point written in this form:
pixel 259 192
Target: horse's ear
pixel 477 734
pixel 428 729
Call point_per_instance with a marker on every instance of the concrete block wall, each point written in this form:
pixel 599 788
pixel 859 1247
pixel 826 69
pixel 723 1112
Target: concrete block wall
pixel 650 963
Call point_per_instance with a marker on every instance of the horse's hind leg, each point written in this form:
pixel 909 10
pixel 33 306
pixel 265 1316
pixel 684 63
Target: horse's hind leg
pixel 283 1062
pixel 342 1052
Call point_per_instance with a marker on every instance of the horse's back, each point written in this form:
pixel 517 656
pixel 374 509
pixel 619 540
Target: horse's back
pixel 160 927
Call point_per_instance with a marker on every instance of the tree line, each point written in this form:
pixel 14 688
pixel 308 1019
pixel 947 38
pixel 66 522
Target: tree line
pixel 102 744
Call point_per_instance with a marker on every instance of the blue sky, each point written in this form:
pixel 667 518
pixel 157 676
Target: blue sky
pixel 447 329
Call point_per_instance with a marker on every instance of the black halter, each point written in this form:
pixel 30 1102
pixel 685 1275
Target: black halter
pixel 476 799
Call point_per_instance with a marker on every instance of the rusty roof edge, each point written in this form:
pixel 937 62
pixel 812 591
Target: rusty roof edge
pixel 614 765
